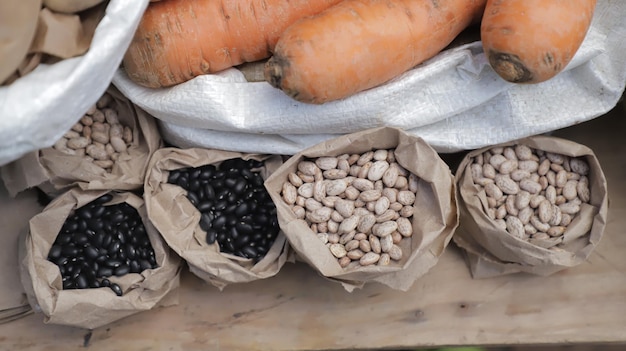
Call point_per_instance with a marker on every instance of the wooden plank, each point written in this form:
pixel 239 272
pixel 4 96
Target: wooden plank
pixel 299 310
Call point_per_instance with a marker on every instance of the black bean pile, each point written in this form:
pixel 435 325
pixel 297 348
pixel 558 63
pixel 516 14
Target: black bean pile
pixel 236 209
pixel 97 242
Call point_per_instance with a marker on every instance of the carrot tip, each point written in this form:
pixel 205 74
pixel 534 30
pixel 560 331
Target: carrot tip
pixel 273 72
pixel 510 67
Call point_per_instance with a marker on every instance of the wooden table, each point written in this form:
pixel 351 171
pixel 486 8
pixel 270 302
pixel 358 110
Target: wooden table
pixel 299 310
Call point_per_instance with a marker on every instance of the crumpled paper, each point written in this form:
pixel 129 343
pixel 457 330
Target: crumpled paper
pixel 38 108
pixel 454 101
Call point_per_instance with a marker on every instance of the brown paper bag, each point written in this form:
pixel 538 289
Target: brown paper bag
pixel 492 251
pixel 177 219
pixel 92 308
pixel 18 23
pixel 54 171
pixel 434 222
pixel 14 216
pixel 55 36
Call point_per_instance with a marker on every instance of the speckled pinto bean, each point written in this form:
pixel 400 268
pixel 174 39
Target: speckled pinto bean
pixel 98 136
pixel 531 194
pixel 368 205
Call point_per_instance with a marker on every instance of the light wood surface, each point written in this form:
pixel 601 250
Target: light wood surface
pixel 299 310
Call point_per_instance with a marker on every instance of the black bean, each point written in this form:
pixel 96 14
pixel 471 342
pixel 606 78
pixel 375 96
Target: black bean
pixel 84 212
pixel 117 217
pixel 230 182
pixel 121 270
pixel 232 198
pixel 183 182
pixel 244 228
pixel 94 283
pixel 54 253
pixel 104 272
pixel 98 211
pixel 230 245
pixel 144 264
pixel 103 257
pixel 135 267
pixel 121 236
pixel 144 241
pixel 81 239
pixel 68 284
pixel 247 173
pixel 242 209
pixel 243 240
pixel 81 282
pixel 139 230
pixel 249 194
pixel 205 206
pixel 193 198
pixel 240 187
pixel 220 205
pixel 70 251
pixel 91 252
pixel 194 185
pixel 257 236
pixel 98 238
pixel 219 222
pixel 209 192
pixel 130 251
pixel 75 271
pixel 105 283
pixel 82 225
pixel 211 236
pixel 231 220
pixel 95 224
pixel 234 234
pixel 195 173
pixel 257 180
pixel 103 199
pixel 116 289
pixel 114 247
pixel 249 251
pixel 152 260
pixel 173 176
pixel 113 263
pixel 70 226
pixel 206 172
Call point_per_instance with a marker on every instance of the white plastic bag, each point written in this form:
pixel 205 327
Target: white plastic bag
pixel 454 101
pixel 37 109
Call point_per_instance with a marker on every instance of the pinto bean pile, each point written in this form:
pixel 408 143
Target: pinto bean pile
pixel 532 194
pixel 359 205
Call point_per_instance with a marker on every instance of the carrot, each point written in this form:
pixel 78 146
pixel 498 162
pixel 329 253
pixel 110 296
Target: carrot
pixel 177 40
pixel 359 44
pixel 531 41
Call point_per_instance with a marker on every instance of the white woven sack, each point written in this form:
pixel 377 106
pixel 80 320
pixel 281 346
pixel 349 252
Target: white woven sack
pixel 454 101
pixel 37 109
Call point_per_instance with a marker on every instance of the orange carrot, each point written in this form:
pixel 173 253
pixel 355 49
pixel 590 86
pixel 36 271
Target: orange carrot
pixel 531 41
pixel 180 39
pixel 359 44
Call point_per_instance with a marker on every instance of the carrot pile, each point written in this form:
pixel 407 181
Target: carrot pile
pixel 326 50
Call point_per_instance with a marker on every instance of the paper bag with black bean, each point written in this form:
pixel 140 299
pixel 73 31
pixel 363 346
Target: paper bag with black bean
pixel 109 148
pixel 93 257
pixel 372 206
pixel 212 209
pixel 535 205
